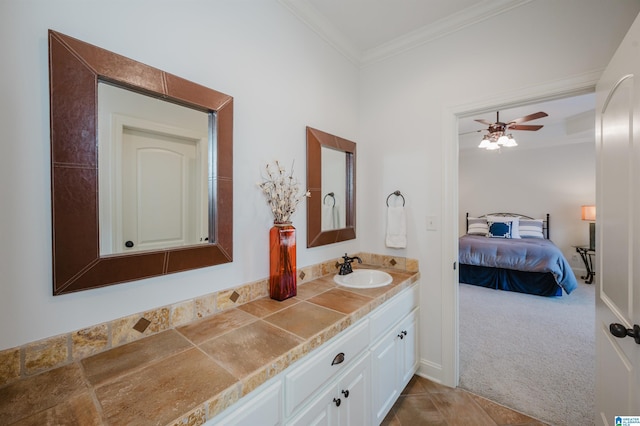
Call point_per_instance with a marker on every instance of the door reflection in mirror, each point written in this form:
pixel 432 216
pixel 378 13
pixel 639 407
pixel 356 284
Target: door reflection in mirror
pixel 153 172
pixel 334 188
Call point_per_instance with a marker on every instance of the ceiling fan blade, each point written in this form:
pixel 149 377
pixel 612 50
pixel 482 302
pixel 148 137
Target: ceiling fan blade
pixel 529 117
pixel 469 132
pixel 525 127
pixel 488 123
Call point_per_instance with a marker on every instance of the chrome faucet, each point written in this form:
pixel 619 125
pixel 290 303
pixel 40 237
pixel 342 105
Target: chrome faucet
pixel 345 268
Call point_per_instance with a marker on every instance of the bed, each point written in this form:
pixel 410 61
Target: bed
pixel 513 252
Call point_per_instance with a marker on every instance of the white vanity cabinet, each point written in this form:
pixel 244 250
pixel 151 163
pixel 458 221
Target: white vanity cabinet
pixel 354 379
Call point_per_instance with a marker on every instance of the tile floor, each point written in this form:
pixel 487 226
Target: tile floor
pixel 424 402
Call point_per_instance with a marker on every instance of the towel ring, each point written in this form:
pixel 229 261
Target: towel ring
pixel 397 194
pixel 330 195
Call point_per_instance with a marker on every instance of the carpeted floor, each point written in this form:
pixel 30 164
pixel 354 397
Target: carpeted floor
pixel 530 353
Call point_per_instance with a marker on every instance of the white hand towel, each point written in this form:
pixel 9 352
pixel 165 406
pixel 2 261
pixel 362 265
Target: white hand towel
pixel 328 220
pixel 396 227
pixel 336 218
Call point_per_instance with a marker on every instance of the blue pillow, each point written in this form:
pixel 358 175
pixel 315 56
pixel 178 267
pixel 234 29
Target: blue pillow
pixel 500 229
pixel 507 219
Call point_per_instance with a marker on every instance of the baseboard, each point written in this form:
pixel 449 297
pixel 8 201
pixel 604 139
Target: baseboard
pixel 579 272
pixel 430 370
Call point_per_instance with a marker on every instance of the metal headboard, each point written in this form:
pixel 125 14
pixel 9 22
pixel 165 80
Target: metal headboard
pixel 545 222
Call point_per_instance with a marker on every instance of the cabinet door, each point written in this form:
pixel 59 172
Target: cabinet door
pixel 323 366
pixel 408 348
pixel 345 401
pixel 354 392
pixel 394 360
pixel 321 412
pixel 384 375
pixel 262 408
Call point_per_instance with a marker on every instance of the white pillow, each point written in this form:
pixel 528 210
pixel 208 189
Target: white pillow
pixel 513 220
pixel 477 226
pixel 531 228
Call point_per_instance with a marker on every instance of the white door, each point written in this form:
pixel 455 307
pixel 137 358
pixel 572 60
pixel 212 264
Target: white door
pixel 163 149
pixel 159 190
pixel 618 233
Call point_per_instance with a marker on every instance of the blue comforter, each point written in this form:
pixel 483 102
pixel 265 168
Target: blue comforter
pixel 526 254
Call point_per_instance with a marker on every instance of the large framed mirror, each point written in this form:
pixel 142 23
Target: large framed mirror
pixel 191 181
pixel 331 171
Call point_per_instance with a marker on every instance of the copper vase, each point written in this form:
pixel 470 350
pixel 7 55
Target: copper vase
pixel 282 261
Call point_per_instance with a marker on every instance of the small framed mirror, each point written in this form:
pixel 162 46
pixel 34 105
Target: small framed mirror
pixel 118 204
pixel 331 210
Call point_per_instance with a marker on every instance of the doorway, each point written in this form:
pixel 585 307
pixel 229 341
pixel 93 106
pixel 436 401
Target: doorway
pixel 452 221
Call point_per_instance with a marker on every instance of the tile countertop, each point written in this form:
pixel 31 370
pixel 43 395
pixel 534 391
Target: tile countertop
pixel 189 374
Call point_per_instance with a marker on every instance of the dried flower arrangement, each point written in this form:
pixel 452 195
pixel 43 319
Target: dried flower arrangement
pixel 282 191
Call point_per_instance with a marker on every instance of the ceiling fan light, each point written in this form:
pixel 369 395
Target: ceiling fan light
pixel 493 145
pixel 484 143
pixel 511 142
pixel 502 140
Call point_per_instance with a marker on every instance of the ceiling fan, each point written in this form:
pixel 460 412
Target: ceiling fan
pixel 499 126
pixel 497 131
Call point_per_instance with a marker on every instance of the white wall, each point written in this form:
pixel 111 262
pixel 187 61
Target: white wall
pixel 555 180
pixel 405 108
pixel 282 76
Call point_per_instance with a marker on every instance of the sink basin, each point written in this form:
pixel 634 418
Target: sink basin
pixel 364 278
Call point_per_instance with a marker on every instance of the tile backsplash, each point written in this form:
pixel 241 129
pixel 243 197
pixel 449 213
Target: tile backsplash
pixel 57 351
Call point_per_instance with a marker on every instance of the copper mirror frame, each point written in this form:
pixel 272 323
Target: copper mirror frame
pixel 316 139
pixel 75 68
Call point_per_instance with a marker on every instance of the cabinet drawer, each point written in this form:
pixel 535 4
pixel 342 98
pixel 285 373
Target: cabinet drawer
pixel 393 311
pixel 310 374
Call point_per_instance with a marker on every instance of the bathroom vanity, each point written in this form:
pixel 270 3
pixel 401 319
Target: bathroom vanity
pixel 353 379
pixel 332 354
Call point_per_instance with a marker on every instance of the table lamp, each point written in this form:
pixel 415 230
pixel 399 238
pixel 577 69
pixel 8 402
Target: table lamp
pixel 589 214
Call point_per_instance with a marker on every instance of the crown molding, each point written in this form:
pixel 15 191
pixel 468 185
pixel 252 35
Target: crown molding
pixel 319 24
pixel 456 22
pixel 440 28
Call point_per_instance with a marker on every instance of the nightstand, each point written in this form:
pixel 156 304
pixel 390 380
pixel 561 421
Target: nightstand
pixel 587 255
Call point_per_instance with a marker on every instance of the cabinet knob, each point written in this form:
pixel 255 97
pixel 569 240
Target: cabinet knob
pixel 346 393
pixel 337 401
